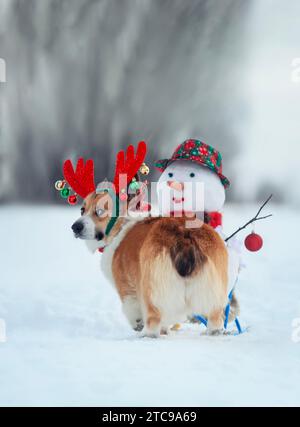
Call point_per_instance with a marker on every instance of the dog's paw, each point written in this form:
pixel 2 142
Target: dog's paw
pixel 139 326
pixel 145 333
pixel 215 332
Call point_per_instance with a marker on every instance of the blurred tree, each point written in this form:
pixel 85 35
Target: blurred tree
pixel 87 77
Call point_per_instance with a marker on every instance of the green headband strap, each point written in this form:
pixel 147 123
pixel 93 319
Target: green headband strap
pixel 113 219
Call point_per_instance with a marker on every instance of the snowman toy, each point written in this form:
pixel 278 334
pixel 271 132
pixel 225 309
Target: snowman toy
pixel 192 183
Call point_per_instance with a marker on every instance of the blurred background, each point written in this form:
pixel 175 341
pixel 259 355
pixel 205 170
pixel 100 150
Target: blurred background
pixel 87 77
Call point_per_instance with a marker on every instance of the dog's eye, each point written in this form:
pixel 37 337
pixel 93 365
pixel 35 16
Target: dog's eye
pixel 192 175
pixel 100 212
pixel 170 174
pixel 82 210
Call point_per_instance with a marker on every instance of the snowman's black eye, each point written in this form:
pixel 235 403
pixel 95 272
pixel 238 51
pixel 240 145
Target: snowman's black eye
pixel 170 174
pixel 192 175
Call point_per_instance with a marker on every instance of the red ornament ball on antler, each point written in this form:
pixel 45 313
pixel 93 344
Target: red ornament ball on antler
pixel 72 200
pixel 254 242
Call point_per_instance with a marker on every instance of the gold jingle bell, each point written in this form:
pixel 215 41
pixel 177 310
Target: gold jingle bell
pixel 59 185
pixel 144 169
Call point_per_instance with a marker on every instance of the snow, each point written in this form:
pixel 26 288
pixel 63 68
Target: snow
pixel 69 344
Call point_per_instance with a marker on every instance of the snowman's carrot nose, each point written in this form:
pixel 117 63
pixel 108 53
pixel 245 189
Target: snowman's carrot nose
pixel 178 186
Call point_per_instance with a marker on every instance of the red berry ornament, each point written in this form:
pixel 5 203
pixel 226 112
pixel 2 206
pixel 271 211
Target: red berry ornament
pixel 72 200
pixel 254 242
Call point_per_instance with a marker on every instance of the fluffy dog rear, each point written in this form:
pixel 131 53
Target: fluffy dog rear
pixel 165 272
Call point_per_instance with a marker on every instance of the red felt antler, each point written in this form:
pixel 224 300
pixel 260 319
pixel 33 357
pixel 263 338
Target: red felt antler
pixel 130 164
pixel 82 179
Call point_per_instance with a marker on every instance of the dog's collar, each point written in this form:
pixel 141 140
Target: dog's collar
pixel 101 250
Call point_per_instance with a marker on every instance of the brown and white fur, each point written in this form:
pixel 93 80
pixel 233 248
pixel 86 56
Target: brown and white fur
pixel 162 270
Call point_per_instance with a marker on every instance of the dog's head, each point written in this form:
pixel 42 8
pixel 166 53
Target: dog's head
pixel 96 212
pixel 99 206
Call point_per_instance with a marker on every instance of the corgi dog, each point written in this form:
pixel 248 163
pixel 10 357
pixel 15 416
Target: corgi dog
pixel 162 270
pixel 165 269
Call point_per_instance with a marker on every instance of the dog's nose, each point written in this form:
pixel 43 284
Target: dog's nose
pixel 77 227
pixel 178 186
pixel 99 235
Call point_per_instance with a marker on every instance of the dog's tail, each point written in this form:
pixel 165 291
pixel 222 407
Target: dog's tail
pixel 186 255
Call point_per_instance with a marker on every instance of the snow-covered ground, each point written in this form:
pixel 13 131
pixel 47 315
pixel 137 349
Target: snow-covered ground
pixel 69 344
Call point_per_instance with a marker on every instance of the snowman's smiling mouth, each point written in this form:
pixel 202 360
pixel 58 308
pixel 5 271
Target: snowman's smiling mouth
pixel 178 199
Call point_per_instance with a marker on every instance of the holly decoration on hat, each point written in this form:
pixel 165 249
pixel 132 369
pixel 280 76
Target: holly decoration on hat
pixel 189 145
pixel 203 151
pixel 195 152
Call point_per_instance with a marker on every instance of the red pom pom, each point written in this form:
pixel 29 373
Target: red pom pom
pixel 253 242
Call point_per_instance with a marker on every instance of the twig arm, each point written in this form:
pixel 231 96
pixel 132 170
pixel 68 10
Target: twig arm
pixel 256 218
pixel 264 204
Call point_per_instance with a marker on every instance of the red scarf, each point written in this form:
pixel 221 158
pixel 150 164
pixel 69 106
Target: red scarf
pixel 214 219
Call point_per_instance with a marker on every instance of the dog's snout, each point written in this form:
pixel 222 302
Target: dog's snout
pixel 77 227
pixel 99 235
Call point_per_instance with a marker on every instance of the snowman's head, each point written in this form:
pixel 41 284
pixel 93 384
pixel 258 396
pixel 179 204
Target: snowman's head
pixel 184 178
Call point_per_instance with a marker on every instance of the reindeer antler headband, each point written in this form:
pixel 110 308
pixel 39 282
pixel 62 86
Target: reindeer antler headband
pixel 81 180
